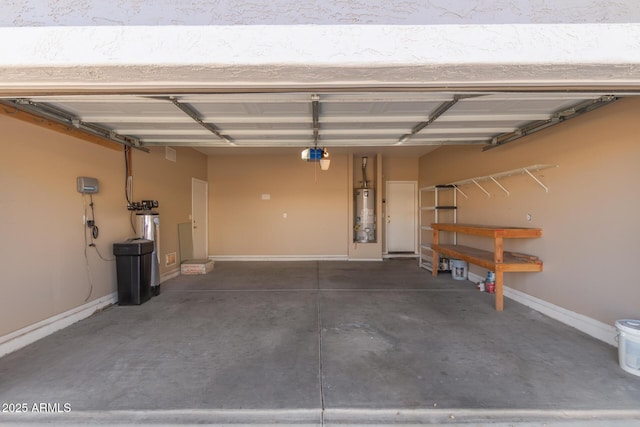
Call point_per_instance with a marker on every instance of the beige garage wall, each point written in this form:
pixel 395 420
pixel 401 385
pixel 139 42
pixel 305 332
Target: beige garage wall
pixel 168 182
pixel 241 223
pixel 400 168
pixel 44 271
pixel 589 217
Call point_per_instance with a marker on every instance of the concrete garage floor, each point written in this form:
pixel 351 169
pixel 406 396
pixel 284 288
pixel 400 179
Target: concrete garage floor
pixel 276 342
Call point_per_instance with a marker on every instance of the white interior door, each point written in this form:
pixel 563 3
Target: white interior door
pixel 401 216
pixel 199 190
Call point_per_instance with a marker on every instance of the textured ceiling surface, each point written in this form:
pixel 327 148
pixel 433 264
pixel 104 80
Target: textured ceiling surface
pixel 316 12
pixel 161 59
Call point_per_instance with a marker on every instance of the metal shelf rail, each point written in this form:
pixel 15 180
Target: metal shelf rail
pixel 425 260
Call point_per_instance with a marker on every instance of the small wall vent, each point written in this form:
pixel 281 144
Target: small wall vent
pixel 170 259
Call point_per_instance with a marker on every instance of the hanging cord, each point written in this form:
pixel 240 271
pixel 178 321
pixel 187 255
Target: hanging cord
pixel 315 172
pixel 95 231
pixel 127 196
pixel 86 245
pixel 133 227
pixel 127 189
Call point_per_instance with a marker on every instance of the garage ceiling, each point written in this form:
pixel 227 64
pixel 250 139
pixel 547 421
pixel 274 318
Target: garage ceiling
pixel 302 119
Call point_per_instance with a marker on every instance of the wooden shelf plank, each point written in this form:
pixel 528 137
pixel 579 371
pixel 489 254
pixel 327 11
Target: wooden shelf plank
pixel 490 231
pixel 485 258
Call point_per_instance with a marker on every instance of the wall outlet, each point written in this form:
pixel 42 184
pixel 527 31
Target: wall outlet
pixel 529 217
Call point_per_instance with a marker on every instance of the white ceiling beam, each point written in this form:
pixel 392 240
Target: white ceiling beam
pixel 372 118
pixel 98 118
pixel 308 142
pixel 461 117
pixel 185 143
pixel 326 97
pixel 242 98
pixel 239 133
pixel 174 132
pixel 326 119
pixel 421 141
pixel 360 133
pixel 101 99
pixel 534 96
pixel 466 130
pixel 257 119
pixel 426 97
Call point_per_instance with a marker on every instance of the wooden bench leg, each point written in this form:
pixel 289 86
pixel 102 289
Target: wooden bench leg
pixel 499 291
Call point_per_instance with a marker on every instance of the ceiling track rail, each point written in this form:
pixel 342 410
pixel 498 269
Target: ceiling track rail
pixel 191 112
pixel 315 111
pixel 443 108
pixel 555 119
pixel 420 126
pixel 57 115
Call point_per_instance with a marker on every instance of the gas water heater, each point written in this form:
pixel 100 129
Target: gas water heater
pixel 365 217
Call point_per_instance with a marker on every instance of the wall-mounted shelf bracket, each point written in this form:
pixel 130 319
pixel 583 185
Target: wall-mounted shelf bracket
pixel 527 170
pixel 536 179
pixel 481 187
pixel 460 191
pixel 500 185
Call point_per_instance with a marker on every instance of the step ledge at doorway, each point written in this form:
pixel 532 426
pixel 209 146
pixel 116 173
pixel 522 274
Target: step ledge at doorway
pixel 588 325
pixel 32 333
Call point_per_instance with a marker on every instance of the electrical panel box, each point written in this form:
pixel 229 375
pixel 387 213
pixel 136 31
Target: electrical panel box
pixel 87 185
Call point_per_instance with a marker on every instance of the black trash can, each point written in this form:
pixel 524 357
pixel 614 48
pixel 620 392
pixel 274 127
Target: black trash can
pixel 133 267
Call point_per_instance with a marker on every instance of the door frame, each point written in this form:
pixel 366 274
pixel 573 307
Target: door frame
pixel 206 213
pixel 415 215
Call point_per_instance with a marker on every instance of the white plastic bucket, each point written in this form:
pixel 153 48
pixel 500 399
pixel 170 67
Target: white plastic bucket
pixel 629 345
pixel 458 269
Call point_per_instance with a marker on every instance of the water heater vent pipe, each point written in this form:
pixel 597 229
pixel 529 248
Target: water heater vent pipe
pixel 364 172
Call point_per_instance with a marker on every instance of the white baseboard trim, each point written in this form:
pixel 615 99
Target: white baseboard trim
pixel 473 277
pixel 278 257
pixel 588 325
pixel 170 275
pixel 32 333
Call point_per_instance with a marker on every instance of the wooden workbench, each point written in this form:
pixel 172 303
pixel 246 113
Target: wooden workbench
pixel 498 261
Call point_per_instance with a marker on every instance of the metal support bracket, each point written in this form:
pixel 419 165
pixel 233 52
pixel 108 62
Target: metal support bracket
pixel 460 191
pixel 481 187
pixel 500 185
pixel 495 176
pixel 536 180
